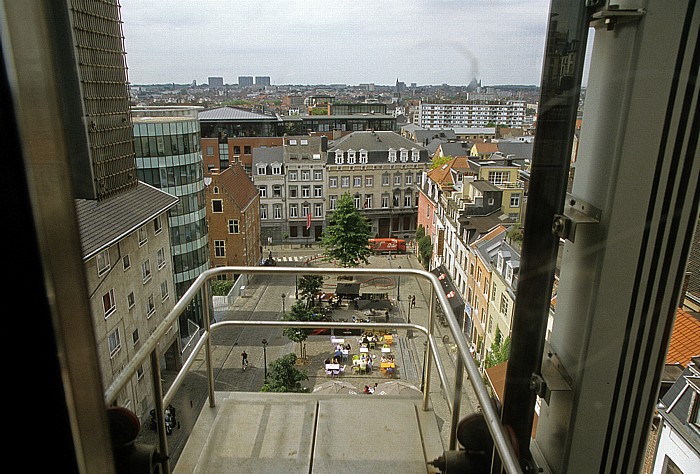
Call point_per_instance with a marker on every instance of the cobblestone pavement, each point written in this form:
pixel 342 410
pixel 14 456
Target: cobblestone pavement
pixel 263 301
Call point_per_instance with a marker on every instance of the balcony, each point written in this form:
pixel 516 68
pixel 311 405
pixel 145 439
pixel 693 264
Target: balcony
pixel 321 432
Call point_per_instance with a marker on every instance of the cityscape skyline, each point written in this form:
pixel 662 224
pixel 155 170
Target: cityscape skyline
pixel 497 42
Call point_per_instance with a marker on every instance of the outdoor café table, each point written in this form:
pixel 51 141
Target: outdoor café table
pixel 332 366
pixel 364 349
pixel 337 341
pixel 386 365
pixel 389 338
pixel 386 349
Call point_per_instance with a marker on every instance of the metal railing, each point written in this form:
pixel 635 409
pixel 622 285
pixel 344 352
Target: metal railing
pixel 464 361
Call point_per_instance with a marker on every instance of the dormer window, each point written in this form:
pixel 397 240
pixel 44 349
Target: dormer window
pixel 415 155
pixel 351 157
pixel 262 169
pixel 404 155
pixel 292 142
pixel 509 273
pixel 363 156
pixel 339 157
pixel 276 168
pixel 392 155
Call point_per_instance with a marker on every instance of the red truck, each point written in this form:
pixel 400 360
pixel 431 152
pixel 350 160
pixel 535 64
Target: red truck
pixel 387 245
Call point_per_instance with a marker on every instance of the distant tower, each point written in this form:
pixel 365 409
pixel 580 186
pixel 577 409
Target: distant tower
pixel 245 81
pixel 216 82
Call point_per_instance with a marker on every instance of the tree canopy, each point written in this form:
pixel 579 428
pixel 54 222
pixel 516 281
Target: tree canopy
pixel 299 312
pixel 283 376
pixel 346 237
pixel 439 161
pixel 309 288
pixel 500 350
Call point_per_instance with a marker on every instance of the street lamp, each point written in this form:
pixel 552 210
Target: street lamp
pixel 398 287
pixel 264 344
pixel 283 297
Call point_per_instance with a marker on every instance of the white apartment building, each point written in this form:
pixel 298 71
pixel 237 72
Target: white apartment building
pixel 506 113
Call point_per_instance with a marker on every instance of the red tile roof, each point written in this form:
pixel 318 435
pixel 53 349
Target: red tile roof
pixel 685 339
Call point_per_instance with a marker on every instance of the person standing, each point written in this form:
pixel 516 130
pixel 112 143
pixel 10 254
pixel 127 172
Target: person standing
pixel 244 359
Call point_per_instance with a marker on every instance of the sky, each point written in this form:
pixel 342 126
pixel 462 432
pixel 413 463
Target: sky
pixel 335 41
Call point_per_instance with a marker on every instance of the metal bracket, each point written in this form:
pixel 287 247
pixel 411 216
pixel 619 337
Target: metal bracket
pixel 611 17
pixel 553 377
pixel 576 212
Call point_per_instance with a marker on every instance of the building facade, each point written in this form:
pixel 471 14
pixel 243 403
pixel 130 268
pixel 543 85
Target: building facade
pixel 477 114
pixel 381 170
pixel 233 219
pixel 168 156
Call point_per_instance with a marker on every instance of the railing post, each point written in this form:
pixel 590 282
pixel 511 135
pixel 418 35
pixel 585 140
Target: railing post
pixel 160 411
pixel 206 297
pixel 427 363
pixel 457 402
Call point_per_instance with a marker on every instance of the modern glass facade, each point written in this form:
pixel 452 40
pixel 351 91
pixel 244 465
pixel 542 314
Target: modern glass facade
pixel 168 156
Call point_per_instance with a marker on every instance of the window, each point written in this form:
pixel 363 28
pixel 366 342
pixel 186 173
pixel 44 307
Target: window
pixel 276 191
pixel 160 257
pixel 392 155
pixel 277 169
pixel 318 210
pixel 114 342
pixel 316 156
pixel 305 175
pixel 415 155
pixel 305 209
pixel 357 199
pixel 262 190
pixel 293 231
pixel 109 305
pixel 404 155
pixel 363 156
pixel 504 304
pixel 418 179
pixel 143 235
pixel 293 211
pixel 338 157
pixel 333 200
pixel 157 225
pixel 293 176
pixel 102 260
pixel 351 157
pixel 146 270
pixel 150 306
pixel 515 200
pixel 277 211
pixel 126 262
pixel 409 179
pixel 305 191
pixel 263 211
pixel 236 149
pixel 498 177
pixel 210 151
pixel 385 201
pixel 135 337
pixel 164 291
pixel 246 150
pixel 369 180
pixel 304 142
pixel 292 142
pixel 333 182
pixel 345 181
pixel 217 205
pixel 234 226
pixel 368 201
pixel 407 200
pixel 357 181
pixel 318 191
pixel 262 169
pixel 493 292
pixel 219 248
pixel 385 179
pixel 130 300
pixel 318 175
pixel 293 191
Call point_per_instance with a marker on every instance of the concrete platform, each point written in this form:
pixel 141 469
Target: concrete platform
pixel 311 433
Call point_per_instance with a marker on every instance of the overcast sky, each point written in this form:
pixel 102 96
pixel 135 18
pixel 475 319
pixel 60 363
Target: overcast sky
pixel 327 41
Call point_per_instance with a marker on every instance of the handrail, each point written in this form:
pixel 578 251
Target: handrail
pixel 150 346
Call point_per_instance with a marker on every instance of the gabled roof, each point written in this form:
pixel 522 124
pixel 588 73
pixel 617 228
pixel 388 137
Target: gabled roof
pixel 685 338
pixel 238 185
pixel 103 223
pixel 482 148
pixel 675 406
pixel 456 148
pixel 521 150
pixel 373 141
pixel 223 114
pixel 442 175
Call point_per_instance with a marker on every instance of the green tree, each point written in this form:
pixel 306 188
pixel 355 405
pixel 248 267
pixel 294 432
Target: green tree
pixel 283 376
pixel 420 232
pixel 439 161
pixel 346 236
pixel 221 287
pixel 299 312
pixel 309 288
pixel 500 350
pixel 425 251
